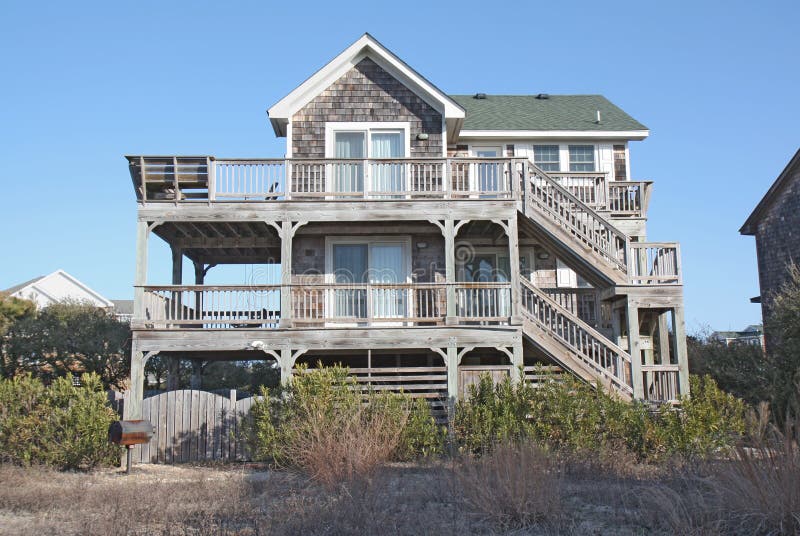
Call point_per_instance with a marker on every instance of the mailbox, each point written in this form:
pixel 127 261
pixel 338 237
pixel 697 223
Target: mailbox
pixel 129 433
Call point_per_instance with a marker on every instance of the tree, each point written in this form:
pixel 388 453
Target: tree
pixel 783 329
pixel 13 309
pixel 739 369
pixel 68 338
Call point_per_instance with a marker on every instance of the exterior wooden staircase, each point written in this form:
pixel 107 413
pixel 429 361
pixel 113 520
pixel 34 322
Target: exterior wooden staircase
pixel 574 344
pixel 574 229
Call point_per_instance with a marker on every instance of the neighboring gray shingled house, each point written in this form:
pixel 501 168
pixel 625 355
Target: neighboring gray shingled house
pixel 775 223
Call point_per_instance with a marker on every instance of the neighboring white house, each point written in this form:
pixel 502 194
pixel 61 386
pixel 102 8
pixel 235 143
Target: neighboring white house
pixel 58 286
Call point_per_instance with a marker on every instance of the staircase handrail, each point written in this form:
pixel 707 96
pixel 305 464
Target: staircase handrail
pixel 620 263
pixel 596 335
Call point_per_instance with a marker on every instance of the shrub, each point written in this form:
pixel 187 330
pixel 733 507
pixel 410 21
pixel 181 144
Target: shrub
pixel 709 420
pixel 325 425
pixel 571 415
pixel 492 413
pixel 62 425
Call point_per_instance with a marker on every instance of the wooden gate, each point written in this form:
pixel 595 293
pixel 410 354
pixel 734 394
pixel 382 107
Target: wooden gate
pixel 471 374
pixel 194 426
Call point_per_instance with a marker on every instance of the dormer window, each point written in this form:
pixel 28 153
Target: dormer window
pixel 581 158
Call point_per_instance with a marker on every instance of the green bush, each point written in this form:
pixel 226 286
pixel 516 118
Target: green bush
pixel 571 415
pixel 62 425
pixel 709 420
pixel 322 419
pixel 492 413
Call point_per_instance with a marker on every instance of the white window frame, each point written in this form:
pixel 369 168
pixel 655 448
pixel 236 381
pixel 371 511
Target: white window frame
pixel 558 152
pixel 595 157
pixel 367 127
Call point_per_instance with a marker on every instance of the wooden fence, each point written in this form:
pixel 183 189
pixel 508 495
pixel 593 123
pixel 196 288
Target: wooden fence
pixel 193 426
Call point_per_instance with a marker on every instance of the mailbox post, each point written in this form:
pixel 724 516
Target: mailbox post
pixel 130 433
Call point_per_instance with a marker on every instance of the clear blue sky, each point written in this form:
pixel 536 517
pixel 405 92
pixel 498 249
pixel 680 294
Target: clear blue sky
pixel 85 83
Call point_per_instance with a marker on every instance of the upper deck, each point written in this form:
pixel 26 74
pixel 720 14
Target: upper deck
pixel 206 179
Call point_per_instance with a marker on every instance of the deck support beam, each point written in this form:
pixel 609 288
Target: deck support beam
pixel 449 228
pixel 634 349
pixel 681 354
pixel 286 230
pixel 140 274
pixel 517 363
pixel 663 338
pixel 135 395
pixel 510 228
pixel 174 363
pixel 452 377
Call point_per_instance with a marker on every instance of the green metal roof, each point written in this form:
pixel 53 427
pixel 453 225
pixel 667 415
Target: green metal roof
pixel 556 112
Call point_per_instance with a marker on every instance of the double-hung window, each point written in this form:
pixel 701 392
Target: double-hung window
pixel 581 158
pixel 546 157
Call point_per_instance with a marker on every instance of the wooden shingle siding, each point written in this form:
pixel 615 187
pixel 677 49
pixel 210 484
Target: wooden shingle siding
pixel 366 93
pixel 778 241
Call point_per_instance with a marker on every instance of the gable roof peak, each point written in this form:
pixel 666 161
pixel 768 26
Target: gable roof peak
pixel 365 46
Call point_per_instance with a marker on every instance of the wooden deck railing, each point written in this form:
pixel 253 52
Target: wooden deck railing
pixel 628 198
pixel 622 199
pixel 204 178
pixel 259 306
pixel 593 349
pixel 661 383
pixel 655 263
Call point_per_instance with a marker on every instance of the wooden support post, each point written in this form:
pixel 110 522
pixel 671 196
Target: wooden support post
pixel 634 348
pixel 452 375
pixel 287 364
pixel 199 273
pixel 679 328
pixel 177 265
pixel 450 270
pixel 514 276
pixel 663 338
pixel 135 394
pixel 517 363
pixel 287 234
pixel 140 277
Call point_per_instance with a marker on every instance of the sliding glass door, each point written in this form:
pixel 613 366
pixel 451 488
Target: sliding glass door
pixel 387 177
pixel 371 270
pixel 387 267
pixel 384 148
pixel 348 177
pixel 488 301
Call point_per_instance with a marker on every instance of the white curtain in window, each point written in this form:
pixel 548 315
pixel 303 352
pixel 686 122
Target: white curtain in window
pixel 388 176
pixel 349 176
pixel 350 267
pixel 387 265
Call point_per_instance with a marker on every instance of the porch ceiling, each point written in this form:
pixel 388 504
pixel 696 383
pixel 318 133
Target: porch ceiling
pixel 235 242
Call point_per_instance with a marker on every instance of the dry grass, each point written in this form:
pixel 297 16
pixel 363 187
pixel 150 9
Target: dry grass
pixel 757 491
pixel 514 485
pixel 516 490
